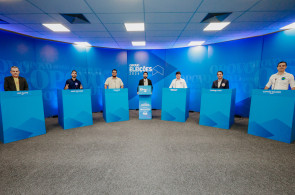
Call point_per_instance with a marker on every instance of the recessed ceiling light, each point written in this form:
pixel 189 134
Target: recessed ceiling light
pixel 83 44
pixel 290 26
pixel 138 43
pixel 134 26
pixel 194 43
pixel 57 27
pixel 216 26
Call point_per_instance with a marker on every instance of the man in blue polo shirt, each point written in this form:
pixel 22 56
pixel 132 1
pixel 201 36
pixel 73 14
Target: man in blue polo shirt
pixel 73 83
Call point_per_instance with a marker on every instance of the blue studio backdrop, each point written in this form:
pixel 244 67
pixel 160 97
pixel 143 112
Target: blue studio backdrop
pixel 246 63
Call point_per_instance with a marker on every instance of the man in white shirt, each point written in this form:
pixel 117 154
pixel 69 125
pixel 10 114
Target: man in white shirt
pixel 113 82
pixel 178 82
pixel 281 80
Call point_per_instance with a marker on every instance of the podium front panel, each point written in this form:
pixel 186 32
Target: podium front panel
pixel 145 107
pixel 22 115
pixel 175 104
pixel 217 108
pixel 272 115
pixel 116 105
pixel 145 102
pixel 74 108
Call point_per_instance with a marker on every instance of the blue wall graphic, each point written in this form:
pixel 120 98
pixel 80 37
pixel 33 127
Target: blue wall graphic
pixel 153 62
pixel 47 65
pixel 246 63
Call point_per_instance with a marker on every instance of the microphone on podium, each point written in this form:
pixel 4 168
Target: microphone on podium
pixel 274 84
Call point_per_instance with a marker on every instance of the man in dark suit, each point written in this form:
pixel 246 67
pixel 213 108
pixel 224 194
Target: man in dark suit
pixel 145 81
pixel 220 83
pixel 15 82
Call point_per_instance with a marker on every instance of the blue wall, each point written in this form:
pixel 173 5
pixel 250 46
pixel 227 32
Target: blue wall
pixel 46 65
pixel 246 63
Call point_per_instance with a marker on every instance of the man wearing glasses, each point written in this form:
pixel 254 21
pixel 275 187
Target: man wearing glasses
pixel 282 79
pixel 113 82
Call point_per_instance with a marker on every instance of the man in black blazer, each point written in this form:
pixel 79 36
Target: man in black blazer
pixel 220 83
pixel 15 82
pixel 145 81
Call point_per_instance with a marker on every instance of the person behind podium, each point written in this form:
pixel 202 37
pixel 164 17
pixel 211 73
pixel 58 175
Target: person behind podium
pixel 220 83
pixel 178 82
pixel 145 81
pixel 282 79
pixel 113 82
pixel 73 83
pixel 15 82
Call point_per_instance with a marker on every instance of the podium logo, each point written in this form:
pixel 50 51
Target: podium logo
pixel 143 90
pixel 22 93
pixel 272 92
pixel 145 113
pixel 145 104
pixel 76 91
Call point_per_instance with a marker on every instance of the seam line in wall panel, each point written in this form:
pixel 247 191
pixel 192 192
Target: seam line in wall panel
pixel 101 22
pixel 41 11
pixel 187 23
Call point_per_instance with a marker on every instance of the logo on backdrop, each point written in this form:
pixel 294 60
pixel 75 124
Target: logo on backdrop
pixel 158 70
pixel 137 69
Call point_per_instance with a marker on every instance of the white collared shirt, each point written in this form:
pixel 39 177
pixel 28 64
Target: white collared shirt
pixel 178 83
pixel 114 83
pixel 281 82
pixel 219 83
pixel 145 82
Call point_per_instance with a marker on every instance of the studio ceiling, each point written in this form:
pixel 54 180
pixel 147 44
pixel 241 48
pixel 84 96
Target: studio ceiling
pixel 168 23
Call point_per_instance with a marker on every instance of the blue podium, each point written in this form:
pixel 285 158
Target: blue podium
pixel 175 104
pixel 74 108
pixel 145 102
pixel 21 115
pixel 272 115
pixel 116 105
pixel 217 108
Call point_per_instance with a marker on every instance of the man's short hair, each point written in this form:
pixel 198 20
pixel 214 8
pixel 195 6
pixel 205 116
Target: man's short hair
pixel 14 67
pixel 178 72
pixel 220 71
pixel 114 70
pixel 146 73
pixel 74 71
pixel 282 62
